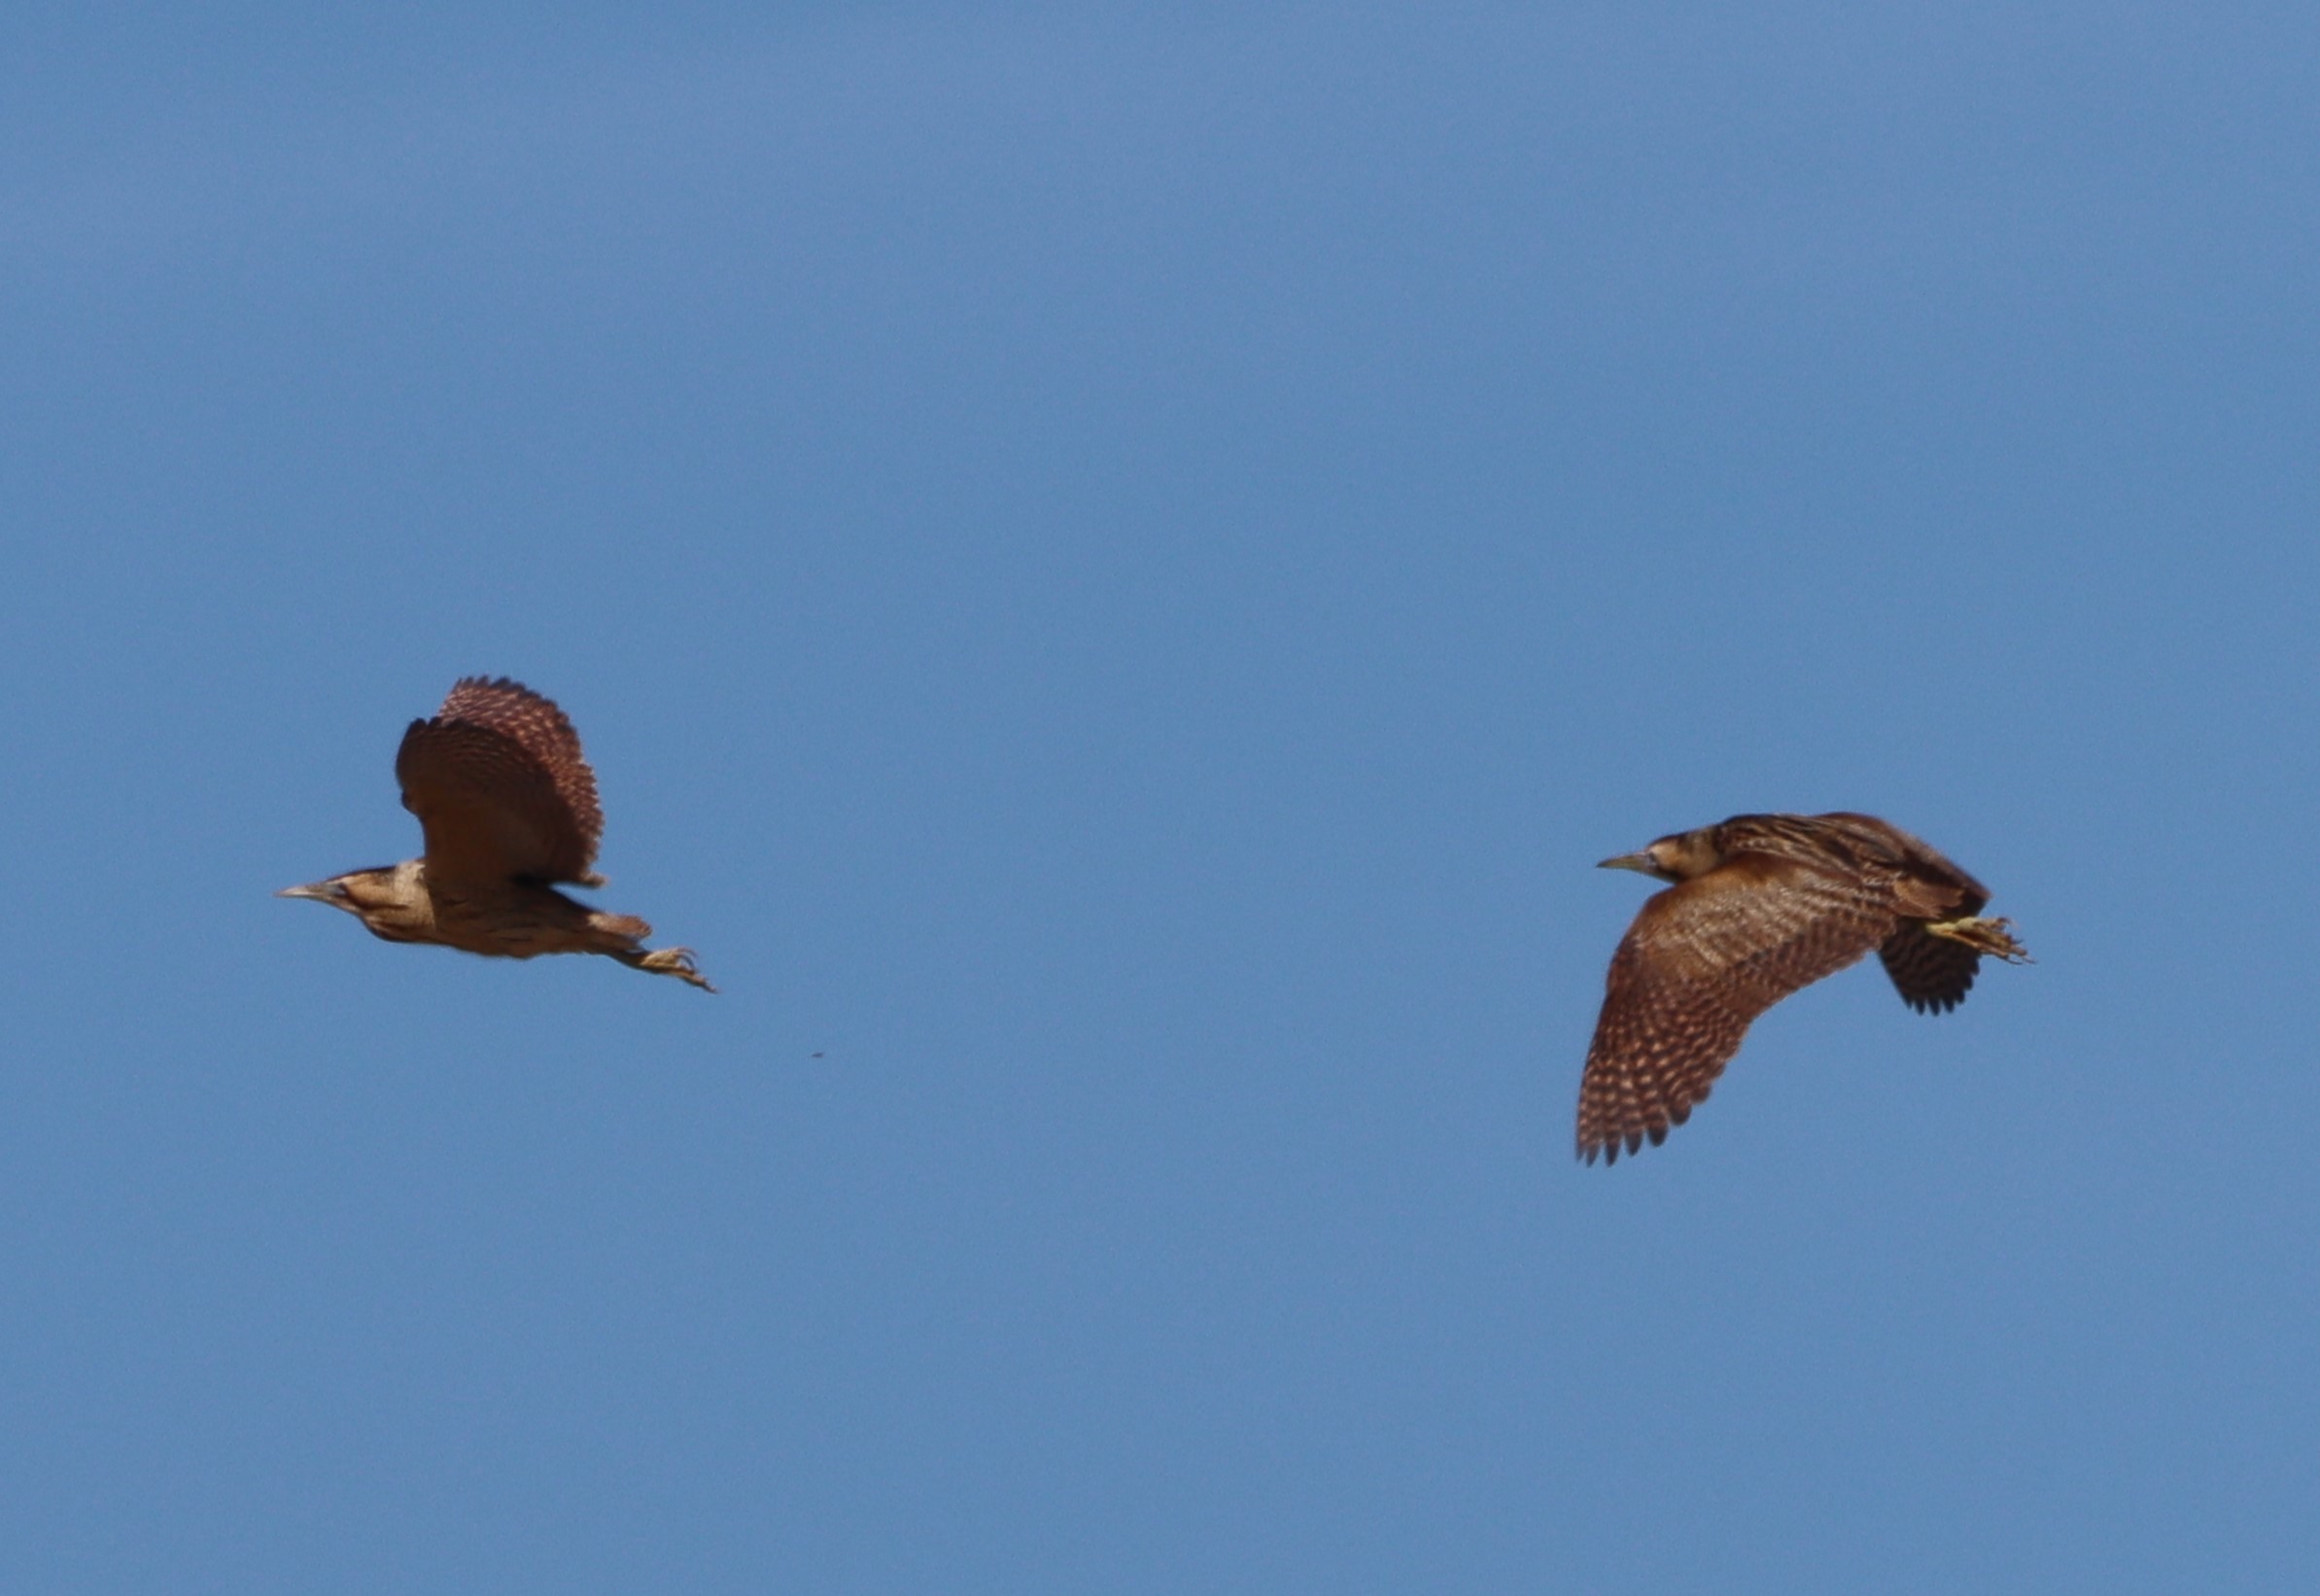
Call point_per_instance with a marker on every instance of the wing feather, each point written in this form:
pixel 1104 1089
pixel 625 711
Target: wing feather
pixel 1932 974
pixel 500 788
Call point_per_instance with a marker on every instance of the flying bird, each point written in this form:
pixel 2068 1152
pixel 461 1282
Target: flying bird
pixel 1762 906
pixel 506 804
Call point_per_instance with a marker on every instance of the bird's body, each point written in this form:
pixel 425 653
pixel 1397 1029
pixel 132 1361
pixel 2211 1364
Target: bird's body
pixel 508 805
pixel 1762 905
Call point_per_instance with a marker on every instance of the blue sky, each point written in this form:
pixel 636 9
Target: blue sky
pixel 1119 567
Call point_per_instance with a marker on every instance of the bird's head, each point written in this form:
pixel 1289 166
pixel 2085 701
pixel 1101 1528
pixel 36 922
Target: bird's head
pixel 382 899
pixel 1674 859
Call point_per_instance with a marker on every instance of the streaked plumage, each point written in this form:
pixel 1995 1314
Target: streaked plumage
pixel 1763 905
pixel 508 806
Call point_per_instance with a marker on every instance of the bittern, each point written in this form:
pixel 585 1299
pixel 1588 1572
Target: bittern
pixel 1762 906
pixel 506 804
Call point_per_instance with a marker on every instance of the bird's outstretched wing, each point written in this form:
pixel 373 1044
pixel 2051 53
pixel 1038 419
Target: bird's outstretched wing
pixel 1702 960
pixel 500 788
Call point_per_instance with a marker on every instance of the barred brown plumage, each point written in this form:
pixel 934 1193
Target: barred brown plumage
pixel 508 806
pixel 1763 905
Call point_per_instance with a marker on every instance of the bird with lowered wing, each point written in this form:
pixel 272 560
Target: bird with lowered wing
pixel 1761 906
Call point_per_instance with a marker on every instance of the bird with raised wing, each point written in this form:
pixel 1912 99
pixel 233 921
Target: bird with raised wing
pixel 506 805
pixel 1762 906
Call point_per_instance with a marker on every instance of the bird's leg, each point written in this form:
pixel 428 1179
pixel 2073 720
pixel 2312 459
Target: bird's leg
pixel 1994 937
pixel 621 937
pixel 676 961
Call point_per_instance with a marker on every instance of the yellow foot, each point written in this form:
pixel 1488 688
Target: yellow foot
pixel 676 961
pixel 1994 937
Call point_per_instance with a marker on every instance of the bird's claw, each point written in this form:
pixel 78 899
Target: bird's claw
pixel 676 961
pixel 1994 937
